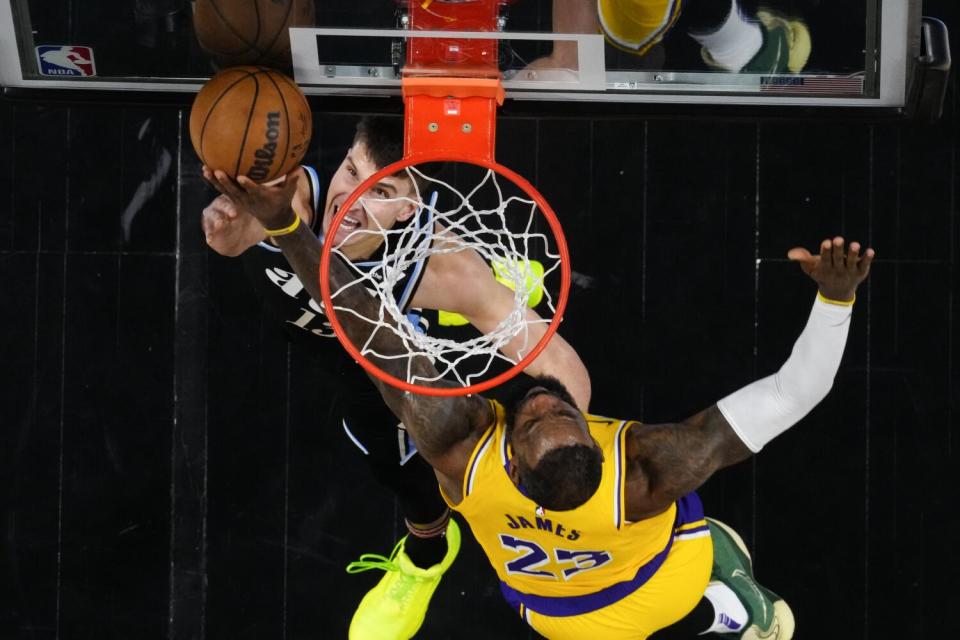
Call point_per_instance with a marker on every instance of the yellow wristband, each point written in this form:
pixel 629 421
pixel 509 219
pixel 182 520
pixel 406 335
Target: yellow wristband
pixel 839 303
pixel 273 233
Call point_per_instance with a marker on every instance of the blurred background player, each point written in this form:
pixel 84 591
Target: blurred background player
pixel 459 282
pixel 250 33
pixel 739 36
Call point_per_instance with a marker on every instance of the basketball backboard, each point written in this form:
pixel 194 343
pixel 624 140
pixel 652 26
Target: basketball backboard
pixel 863 52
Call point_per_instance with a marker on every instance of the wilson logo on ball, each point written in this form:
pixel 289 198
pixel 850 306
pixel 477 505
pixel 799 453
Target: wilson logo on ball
pixel 264 155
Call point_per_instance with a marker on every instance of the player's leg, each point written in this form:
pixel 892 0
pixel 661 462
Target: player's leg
pixel 768 615
pixel 395 608
pixel 733 603
pixel 737 36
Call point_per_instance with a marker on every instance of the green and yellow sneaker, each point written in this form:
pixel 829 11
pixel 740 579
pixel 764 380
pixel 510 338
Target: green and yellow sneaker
pixel 396 607
pixel 786 46
pixel 770 617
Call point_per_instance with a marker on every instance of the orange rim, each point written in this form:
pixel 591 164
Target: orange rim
pixel 561 305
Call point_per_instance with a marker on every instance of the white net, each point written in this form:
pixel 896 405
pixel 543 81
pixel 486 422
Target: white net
pixel 495 219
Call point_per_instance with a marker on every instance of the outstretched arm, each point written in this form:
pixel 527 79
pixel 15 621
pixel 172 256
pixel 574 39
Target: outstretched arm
pixel 464 283
pixel 667 461
pixel 444 429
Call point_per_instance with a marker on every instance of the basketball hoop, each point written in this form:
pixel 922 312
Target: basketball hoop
pixel 501 218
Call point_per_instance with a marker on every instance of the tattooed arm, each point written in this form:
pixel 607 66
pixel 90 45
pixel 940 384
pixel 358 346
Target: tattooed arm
pixel 444 429
pixel 666 461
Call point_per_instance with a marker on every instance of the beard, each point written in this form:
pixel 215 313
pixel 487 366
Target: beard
pixel 517 396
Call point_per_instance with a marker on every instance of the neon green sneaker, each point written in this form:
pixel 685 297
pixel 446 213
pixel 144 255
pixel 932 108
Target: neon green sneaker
pixel 396 607
pixel 770 617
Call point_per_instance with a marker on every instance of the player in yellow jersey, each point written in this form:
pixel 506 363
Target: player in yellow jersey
pixel 592 524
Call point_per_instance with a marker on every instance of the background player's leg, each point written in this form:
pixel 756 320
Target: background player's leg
pixel 392 458
pixel 737 36
pixel 395 608
pixel 729 37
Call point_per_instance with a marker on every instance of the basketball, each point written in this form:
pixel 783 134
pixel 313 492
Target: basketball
pixel 251 121
pixel 251 32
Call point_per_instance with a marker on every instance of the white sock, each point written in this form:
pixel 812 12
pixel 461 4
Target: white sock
pixel 735 43
pixel 729 616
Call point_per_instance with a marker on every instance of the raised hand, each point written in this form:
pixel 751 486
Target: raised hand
pixel 268 203
pixel 838 273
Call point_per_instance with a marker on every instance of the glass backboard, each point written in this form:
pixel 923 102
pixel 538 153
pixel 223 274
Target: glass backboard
pixel 858 52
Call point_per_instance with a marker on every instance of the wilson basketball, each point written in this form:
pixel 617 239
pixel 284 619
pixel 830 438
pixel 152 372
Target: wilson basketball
pixel 251 121
pixel 250 32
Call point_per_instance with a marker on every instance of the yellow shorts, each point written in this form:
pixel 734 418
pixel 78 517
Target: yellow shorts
pixel 637 25
pixel 670 594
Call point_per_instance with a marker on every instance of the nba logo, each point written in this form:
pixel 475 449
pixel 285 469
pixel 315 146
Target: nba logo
pixel 66 61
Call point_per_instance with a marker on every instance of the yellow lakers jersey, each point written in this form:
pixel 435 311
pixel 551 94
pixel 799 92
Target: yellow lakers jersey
pixel 566 562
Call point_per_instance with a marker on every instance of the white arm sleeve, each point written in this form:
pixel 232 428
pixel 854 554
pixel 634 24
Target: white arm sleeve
pixel 766 408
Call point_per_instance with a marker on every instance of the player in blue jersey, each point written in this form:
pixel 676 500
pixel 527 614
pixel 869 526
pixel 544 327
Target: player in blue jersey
pixel 459 282
pixel 593 525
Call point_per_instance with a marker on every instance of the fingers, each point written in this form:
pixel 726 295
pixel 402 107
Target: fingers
pixel 227 186
pixel 219 180
pixel 225 205
pixel 290 183
pixel 208 222
pixel 808 262
pixel 217 217
pixel 231 187
pixel 826 252
pixel 285 184
pixel 853 257
pixel 212 222
pixel 836 252
pixel 211 179
pixel 863 268
pixel 856 264
pixel 214 181
pixel 223 183
pixel 835 259
pixel 849 259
